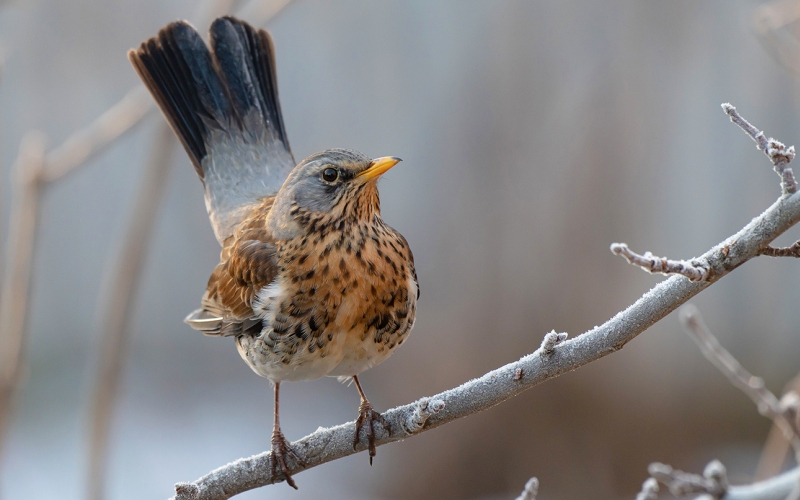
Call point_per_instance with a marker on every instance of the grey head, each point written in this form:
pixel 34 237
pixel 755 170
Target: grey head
pixel 336 184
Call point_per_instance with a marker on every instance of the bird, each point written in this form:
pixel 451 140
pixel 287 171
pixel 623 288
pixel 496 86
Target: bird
pixel 311 281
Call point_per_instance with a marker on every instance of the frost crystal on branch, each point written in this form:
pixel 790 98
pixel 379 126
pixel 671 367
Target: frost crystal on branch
pixel 776 151
pixel 550 341
pixel 530 491
pixel 695 270
pixel 714 480
pixel 649 490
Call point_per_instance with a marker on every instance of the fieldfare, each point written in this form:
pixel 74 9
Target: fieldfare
pixel 311 280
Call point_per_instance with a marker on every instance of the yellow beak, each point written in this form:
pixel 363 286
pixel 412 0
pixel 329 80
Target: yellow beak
pixel 379 166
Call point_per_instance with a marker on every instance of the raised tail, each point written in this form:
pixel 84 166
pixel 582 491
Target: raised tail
pixel 223 106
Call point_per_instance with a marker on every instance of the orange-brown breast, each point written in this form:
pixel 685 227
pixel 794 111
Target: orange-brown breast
pixel 342 288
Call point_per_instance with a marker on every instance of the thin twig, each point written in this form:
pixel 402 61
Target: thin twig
pixel 776 151
pixel 782 412
pixel 325 445
pixel 18 264
pixel 777 446
pixel 530 491
pixel 792 251
pixel 695 270
pixel 714 480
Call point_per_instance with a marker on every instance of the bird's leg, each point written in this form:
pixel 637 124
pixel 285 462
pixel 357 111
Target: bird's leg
pixel 368 416
pixel 281 448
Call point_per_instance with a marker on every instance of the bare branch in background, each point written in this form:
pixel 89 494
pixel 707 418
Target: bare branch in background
pixel 325 445
pixel 714 480
pixel 18 263
pixel 777 446
pixel 84 144
pixel 121 285
pixel 695 270
pixel 530 491
pixel 783 412
pixel 776 151
pixel 71 154
pixel 774 25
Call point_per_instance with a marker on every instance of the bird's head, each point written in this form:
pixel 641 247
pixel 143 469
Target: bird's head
pixel 336 184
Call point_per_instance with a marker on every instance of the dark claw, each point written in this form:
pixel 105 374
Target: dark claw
pixel 280 449
pixel 368 416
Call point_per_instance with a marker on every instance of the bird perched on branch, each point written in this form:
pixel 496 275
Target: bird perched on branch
pixel 311 280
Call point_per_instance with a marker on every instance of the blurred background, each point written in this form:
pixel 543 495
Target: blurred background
pixel 534 134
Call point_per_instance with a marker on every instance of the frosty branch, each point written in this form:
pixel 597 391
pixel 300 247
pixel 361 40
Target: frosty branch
pixel 556 356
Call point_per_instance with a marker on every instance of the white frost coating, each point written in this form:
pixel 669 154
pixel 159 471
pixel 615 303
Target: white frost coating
pixel 714 480
pixel 550 341
pixel 778 153
pixel 530 491
pixel 425 408
pixel 695 270
pixel 649 490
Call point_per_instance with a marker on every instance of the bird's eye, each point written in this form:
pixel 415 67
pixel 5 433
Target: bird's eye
pixel 330 174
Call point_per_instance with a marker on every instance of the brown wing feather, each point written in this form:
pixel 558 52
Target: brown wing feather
pixel 247 265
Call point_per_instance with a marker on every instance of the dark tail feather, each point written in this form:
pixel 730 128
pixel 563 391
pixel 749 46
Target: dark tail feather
pixel 197 89
pixel 246 59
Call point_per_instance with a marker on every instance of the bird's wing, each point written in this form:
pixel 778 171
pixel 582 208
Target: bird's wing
pixel 248 265
pixel 223 105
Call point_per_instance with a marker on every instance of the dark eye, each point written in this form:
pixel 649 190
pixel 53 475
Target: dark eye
pixel 330 174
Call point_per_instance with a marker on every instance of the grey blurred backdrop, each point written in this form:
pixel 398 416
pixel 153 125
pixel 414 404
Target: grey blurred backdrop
pixel 534 134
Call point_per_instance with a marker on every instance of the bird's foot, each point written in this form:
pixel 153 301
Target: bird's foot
pixel 367 417
pixel 280 450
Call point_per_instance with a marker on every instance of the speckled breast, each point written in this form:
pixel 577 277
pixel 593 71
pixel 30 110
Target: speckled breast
pixel 345 300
